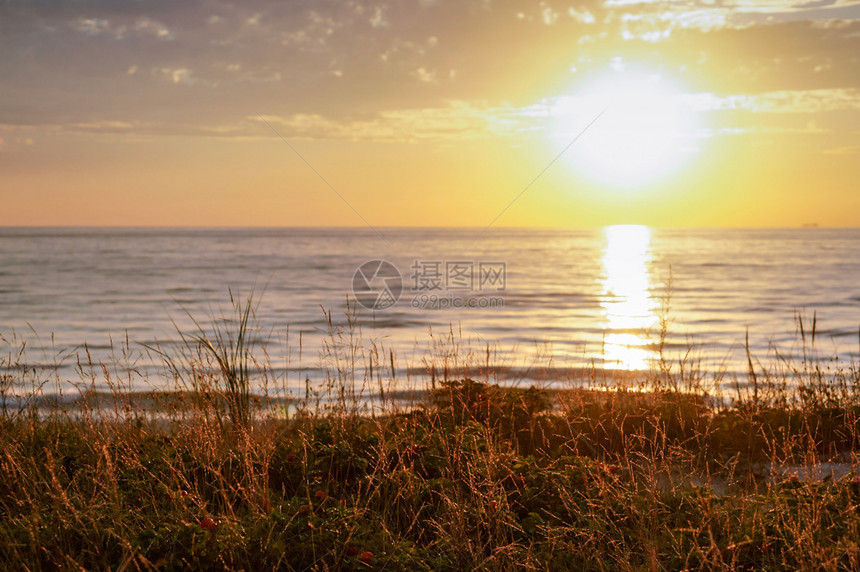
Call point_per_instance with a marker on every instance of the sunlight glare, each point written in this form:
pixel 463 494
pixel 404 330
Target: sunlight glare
pixel 646 133
pixel 627 304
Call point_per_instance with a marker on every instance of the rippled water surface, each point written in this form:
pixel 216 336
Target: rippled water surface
pixel 565 299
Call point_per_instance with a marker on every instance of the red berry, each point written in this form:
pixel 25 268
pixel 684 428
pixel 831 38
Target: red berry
pixel 321 495
pixel 303 508
pixel 612 469
pixel 493 504
pixel 856 480
pixel 208 524
pixel 351 550
pixel 367 557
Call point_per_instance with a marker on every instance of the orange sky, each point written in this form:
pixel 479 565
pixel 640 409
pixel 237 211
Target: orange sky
pixel 429 113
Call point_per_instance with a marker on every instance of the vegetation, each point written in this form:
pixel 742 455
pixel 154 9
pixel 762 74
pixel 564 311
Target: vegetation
pixel 659 476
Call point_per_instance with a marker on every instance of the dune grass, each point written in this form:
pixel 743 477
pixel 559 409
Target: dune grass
pixel 656 476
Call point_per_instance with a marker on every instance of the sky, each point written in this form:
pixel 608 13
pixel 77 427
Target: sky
pixel 430 113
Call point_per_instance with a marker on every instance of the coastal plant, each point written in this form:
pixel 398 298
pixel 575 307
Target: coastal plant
pixel 216 361
pixel 472 474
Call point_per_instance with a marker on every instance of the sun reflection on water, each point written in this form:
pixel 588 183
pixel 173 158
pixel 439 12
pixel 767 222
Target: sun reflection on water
pixel 627 304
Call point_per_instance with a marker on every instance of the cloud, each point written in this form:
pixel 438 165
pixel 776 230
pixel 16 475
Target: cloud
pixel 90 26
pixel 142 26
pixel 458 120
pixel 314 34
pixel 152 27
pixel 14 139
pixel 23 132
pixel 179 75
pixel 377 20
pixel 104 127
pixel 759 6
pixel 655 26
pixel 582 15
pixel 80 63
pixel 759 130
pixel 463 120
pixel 549 16
pixel 643 19
pixel 425 76
pixel 800 101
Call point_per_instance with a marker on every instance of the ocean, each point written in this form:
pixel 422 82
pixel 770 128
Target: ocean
pixel 539 305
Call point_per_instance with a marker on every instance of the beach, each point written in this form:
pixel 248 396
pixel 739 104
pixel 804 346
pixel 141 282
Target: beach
pixel 461 464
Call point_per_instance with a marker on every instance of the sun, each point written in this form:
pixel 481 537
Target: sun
pixel 646 129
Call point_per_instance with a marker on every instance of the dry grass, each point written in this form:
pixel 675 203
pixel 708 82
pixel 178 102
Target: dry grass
pixel 471 476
